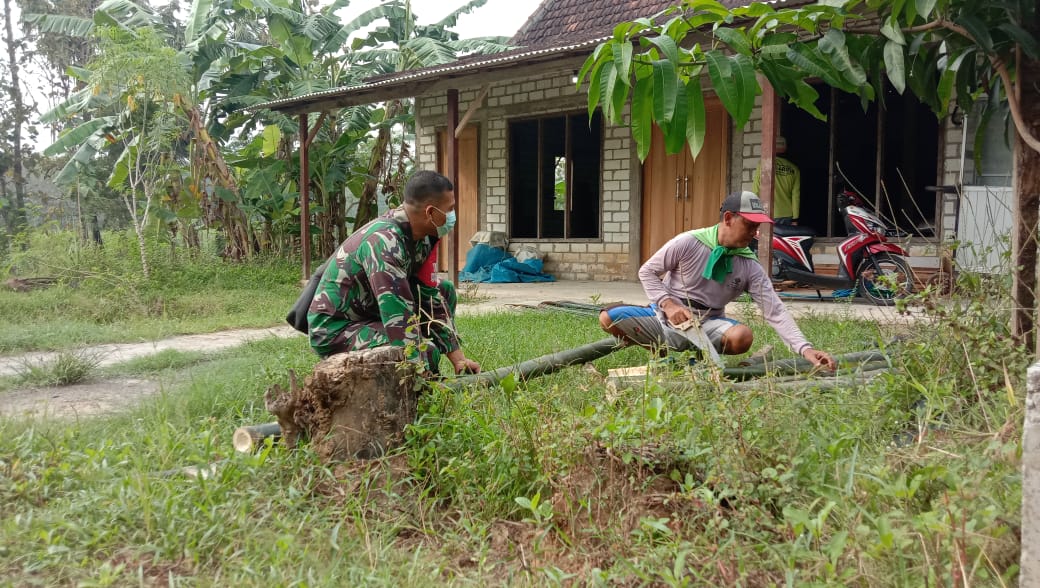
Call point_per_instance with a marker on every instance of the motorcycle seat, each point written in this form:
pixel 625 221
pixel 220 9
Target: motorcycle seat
pixel 793 231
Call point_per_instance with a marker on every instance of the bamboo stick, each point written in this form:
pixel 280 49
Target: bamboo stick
pixel 250 438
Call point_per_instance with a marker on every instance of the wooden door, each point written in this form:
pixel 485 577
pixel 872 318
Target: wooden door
pixel 467 192
pixel 707 174
pixel 680 193
pixel 662 195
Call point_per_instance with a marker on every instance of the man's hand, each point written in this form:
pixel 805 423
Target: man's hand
pixel 820 359
pixel 677 313
pixel 462 364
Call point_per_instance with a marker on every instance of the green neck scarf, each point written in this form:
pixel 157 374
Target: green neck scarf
pixel 720 264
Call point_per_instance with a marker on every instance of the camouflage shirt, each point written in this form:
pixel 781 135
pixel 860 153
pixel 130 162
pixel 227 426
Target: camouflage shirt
pixel 373 279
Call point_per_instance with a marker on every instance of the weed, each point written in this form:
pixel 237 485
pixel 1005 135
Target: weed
pixel 66 368
pixel 469 293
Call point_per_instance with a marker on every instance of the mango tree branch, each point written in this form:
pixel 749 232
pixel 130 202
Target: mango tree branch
pixel 1014 104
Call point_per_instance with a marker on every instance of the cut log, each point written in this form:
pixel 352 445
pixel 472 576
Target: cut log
pixel 250 438
pixel 354 404
pixel 28 284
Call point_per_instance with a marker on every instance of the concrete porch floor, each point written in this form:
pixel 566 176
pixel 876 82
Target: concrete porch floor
pixel 500 296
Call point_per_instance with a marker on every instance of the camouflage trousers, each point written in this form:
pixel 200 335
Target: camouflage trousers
pixel 366 334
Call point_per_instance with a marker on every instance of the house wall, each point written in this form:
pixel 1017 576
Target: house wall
pixel 608 258
pixel 615 255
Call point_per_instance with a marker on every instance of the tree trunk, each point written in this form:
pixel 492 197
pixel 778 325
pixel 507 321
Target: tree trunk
pixel 211 164
pixel 139 229
pixel 355 404
pixel 1027 209
pixel 19 115
pixel 366 210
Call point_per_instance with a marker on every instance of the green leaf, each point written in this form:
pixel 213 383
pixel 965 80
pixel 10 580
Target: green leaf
pixel 675 130
pixel 272 135
pixel 833 45
pixel 721 74
pixel 78 135
pixel 669 50
pixel 623 62
pixel 735 39
pixel 591 61
pixel 72 26
pixel 965 83
pixel 642 115
pixel 895 65
pixel 734 81
pixel 594 83
pixel 925 8
pixel 815 65
pixel 197 17
pixel 121 170
pixel 696 124
pixel 607 81
pixel 1022 37
pixel 977 29
pixel 891 31
pixel 666 82
pixel 453 18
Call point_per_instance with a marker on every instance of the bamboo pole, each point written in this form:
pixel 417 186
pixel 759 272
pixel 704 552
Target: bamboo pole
pixel 250 438
pixel 869 364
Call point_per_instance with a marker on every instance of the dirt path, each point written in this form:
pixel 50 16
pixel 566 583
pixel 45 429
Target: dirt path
pixel 114 353
pixel 78 400
pixel 109 396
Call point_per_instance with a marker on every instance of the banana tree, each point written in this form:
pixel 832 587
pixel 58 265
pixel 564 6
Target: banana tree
pixel 203 48
pixel 940 50
pixel 399 45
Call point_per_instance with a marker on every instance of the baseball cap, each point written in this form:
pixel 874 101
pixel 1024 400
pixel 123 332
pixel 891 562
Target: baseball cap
pixel 747 205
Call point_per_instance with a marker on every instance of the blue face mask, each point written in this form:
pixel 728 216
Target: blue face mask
pixel 449 223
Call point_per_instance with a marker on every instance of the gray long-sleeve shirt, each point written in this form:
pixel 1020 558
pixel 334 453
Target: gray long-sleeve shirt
pixel 675 272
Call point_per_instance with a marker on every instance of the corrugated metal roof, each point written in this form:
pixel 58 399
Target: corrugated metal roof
pixel 435 72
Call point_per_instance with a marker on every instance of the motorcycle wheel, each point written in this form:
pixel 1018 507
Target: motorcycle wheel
pixel 884 278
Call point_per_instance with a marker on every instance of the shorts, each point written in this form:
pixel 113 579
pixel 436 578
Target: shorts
pixel 641 325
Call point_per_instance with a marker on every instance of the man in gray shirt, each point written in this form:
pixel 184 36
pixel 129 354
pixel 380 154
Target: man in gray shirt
pixel 695 275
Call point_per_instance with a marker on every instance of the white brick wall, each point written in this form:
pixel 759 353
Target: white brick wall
pixel 607 258
pixel 614 256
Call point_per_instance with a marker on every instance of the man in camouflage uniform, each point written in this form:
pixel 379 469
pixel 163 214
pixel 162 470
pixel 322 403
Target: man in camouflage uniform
pixel 372 295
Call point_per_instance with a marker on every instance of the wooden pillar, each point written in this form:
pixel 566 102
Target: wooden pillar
pixel 770 124
pixel 305 181
pixel 452 167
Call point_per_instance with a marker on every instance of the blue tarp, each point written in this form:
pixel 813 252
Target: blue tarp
pixel 491 264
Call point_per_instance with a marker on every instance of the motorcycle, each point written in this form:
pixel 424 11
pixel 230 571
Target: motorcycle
pixel 867 261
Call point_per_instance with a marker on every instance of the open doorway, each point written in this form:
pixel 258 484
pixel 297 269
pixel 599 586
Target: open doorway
pixel 898 136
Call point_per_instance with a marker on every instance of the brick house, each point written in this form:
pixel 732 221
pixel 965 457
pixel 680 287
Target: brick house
pixel 529 162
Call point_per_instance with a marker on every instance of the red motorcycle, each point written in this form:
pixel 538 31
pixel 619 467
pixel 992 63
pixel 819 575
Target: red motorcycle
pixel 867 262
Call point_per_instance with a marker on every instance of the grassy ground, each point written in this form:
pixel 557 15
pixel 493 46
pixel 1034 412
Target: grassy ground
pixel 554 481
pixel 103 298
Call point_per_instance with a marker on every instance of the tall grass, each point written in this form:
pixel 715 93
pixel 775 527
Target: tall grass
pixel 104 298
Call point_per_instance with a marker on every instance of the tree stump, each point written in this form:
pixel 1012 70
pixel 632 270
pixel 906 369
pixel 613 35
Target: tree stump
pixel 355 404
